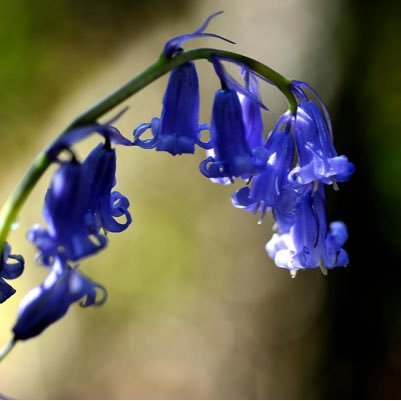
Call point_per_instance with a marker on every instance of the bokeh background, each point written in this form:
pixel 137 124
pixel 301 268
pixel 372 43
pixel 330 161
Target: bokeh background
pixel 196 309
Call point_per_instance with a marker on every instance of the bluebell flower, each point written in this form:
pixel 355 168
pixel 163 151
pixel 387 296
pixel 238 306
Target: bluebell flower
pixel 70 224
pixel 232 137
pixel 231 155
pixel 50 301
pixel 173 46
pixel 271 188
pixel 310 243
pixel 9 271
pixel 318 159
pixel 178 129
pixel 100 171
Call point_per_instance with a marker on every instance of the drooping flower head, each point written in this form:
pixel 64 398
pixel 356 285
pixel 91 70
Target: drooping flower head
pixel 9 271
pixel 310 243
pixel 69 230
pixel 268 188
pixel 100 171
pixel 231 155
pixel 318 159
pixel 296 194
pixel 178 129
pixel 50 301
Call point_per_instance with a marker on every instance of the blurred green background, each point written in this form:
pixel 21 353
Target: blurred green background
pixel 196 309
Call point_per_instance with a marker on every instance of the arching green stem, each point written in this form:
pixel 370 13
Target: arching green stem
pixel 10 210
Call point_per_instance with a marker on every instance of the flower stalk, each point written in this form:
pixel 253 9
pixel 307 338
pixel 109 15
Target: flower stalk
pixel 163 65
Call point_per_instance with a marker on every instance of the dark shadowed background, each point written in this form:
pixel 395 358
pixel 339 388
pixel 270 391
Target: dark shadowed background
pixel 196 309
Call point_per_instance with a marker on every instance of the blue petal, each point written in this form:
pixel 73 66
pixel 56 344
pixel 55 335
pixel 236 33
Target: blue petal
pixel 309 243
pixel 199 142
pixel 92 294
pixel 82 245
pixel 46 244
pixel 11 270
pixel 306 229
pixel 242 198
pixel 142 128
pixel 338 233
pixel 333 254
pixel 271 188
pixel 117 206
pixel 231 155
pixel 179 122
pixel 100 170
pixel 6 291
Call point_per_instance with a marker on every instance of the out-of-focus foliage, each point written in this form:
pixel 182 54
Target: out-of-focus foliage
pixel 43 41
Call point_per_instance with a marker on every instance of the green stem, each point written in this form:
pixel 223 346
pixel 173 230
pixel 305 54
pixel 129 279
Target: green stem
pixel 9 212
pixel 7 349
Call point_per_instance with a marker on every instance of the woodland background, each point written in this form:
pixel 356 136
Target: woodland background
pixel 196 309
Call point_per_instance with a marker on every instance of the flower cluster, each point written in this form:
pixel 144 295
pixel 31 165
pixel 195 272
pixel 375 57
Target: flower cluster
pixel 80 208
pixel 301 159
pixel 285 173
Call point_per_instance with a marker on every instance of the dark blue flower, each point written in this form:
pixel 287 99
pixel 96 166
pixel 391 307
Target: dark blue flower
pixel 310 243
pixel 271 187
pixel 318 159
pixel 231 155
pixel 50 301
pixel 178 129
pixel 70 224
pixel 100 171
pixel 9 271
pixel 173 46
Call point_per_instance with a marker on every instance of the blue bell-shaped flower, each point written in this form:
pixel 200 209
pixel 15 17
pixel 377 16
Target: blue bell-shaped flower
pixel 231 155
pixel 100 171
pixel 50 301
pixel 309 243
pixel 318 159
pixel 70 224
pixel 178 129
pixel 267 188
